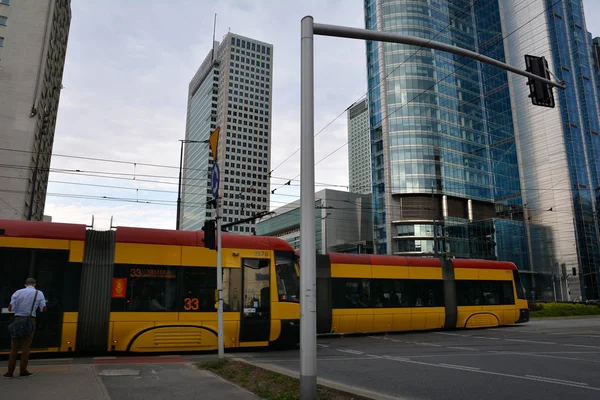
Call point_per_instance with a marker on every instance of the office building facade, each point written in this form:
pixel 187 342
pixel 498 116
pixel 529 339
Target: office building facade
pixel 516 170
pixel 343 222
pixel 559 147
pixel 33 43
pixel 359 148
pixel 232 90
pixel 443 146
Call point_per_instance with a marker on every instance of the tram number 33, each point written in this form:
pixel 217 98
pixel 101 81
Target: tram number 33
pixel 190 303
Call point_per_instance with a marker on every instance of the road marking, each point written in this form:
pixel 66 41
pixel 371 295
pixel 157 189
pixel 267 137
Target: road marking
pixel 378 337
pixel 266 361
pixel 594 336
pixel 350 351
pixel 428 344
pixel 475 371
pixel 479 337
pixel 582 345
pixel 462 348
pixel 395 358
pixel 460 366
pixel 322 345
pixel 549 355
pixel 558 380
pixel 451 334
pixel 528 341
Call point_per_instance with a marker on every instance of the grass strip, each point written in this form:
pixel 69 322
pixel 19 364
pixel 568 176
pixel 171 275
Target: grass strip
pixel 548 310
pixel 267 384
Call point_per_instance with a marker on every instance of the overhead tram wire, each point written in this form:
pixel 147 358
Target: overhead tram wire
pixel 374 87
pixel 433 85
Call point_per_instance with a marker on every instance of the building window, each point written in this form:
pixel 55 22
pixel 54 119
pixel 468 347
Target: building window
pixel 6 2
pixel 3 20
pixel 1 41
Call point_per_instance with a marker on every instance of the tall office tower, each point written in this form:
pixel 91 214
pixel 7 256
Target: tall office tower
pixel 359 148
pixel 559 147
pixel 231 90
pixel 444 157
pixel 33 44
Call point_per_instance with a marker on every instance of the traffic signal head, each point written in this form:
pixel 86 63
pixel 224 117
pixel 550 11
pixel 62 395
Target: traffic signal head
pixel 540 92
pixel 209 229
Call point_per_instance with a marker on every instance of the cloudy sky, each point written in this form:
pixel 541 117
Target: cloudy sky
pixel 123 106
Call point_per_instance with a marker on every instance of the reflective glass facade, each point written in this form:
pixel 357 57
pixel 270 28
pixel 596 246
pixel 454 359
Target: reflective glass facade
pixel 440 123
pixel 573 56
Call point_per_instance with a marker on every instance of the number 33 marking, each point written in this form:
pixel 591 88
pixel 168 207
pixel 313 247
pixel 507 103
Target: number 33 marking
pixel 190 303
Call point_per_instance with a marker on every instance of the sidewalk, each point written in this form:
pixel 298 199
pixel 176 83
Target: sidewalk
pixel 120 379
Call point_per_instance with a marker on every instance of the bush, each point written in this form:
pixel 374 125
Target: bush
pixel 563 309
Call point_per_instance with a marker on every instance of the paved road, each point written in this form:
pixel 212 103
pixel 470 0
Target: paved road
pixel 543 359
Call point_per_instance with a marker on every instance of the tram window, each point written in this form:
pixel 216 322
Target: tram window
pixel 475 293
pixel 140 288
pixel 287 278
pixel 519 286
pixel 232 289
pixel 351 293
pixel 199 285
pixel 466 293
pixel 426 293
pixel 389 293
pixel 55 276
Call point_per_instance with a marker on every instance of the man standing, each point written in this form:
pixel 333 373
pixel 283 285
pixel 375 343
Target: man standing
pixel 22 302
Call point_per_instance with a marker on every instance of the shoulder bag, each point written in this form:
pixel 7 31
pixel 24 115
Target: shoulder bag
pixel 24 326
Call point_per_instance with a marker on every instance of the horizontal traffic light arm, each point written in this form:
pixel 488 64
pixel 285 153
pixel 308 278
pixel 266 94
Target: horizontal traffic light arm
pixel 367 34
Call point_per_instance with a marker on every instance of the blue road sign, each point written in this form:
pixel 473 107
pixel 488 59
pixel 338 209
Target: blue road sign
pixel 216 176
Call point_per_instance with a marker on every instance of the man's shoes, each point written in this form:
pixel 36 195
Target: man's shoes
pixel 25 374
pixel 7 375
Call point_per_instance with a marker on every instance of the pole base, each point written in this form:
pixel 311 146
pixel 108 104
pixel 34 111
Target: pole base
pixel 308 387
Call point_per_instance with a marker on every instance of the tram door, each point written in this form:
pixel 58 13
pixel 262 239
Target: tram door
pixel 255 320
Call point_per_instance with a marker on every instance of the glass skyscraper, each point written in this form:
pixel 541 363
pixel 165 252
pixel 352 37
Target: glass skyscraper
pixel 443 146
pixel 459 152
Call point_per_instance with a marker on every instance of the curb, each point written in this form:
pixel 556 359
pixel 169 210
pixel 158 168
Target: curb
pixel 223 380
pixel 323 382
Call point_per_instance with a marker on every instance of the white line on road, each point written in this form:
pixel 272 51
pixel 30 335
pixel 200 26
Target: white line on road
pixel 451 334
pixel 428 344
pixel 266 361
pixel 460 366
pixel 462 348
pixel 527 378
pixel 557 380
pixel 582 345
pixel 322 345
pixel 528 341
pixel 378 337
pixel 350 351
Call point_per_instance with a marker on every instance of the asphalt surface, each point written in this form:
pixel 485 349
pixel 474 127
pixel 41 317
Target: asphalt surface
pixel 543 359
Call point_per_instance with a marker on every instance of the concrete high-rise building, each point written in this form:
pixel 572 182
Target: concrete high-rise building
pixel 33 44
pixel 525 178
pixel 359 148
pixel 232 90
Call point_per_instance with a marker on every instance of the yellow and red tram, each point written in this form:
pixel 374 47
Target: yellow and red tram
pixel 148 290
pixel 152 290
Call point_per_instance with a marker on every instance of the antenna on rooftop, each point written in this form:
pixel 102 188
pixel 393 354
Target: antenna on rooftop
pixel 213 39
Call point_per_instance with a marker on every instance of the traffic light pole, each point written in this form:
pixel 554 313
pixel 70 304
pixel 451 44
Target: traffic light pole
pixel 220 341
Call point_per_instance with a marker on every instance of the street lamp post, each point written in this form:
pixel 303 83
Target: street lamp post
pixel 178 223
